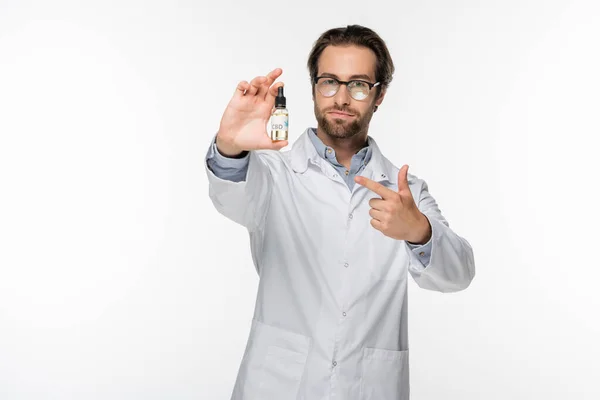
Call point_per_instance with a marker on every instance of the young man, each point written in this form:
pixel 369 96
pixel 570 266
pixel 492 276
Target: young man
pixel 335 228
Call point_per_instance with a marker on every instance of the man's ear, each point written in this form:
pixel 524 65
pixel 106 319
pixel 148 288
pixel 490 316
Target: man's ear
pixel 380 97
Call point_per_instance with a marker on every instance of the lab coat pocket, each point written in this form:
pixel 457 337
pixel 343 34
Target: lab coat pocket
pixel 273 365
pixel 385 375
pixel 281 373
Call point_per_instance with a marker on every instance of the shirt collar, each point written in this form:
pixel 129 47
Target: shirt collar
pixel 304 150
pixel 328 153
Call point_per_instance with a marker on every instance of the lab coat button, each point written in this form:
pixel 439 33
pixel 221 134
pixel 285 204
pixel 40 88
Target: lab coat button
pixel 346 265
pixel 350 216
pixel 334 363
pixel 344 314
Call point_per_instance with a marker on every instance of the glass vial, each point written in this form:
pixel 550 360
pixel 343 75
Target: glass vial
pixel 279 118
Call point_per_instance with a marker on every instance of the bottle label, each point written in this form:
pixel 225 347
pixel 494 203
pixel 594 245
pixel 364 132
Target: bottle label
pixel 279 123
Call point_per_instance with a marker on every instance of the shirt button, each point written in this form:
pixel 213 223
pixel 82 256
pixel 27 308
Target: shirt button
pixel 347 172
pixel 350 216
pixel 422 253
pixel 329 151
pixel 346 265
pixel 334 363
pixel 344 314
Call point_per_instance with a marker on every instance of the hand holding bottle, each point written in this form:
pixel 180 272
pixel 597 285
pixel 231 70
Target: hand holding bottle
pixel 244 123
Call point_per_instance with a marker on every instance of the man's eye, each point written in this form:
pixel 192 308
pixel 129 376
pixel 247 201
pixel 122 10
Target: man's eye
pixel 359 84
pixel 329 81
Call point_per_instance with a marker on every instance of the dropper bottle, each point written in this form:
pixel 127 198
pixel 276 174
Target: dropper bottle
pixel 279 118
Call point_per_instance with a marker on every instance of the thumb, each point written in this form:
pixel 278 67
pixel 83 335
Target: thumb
pixel 403 179
pixel 279 144
pixel 269 144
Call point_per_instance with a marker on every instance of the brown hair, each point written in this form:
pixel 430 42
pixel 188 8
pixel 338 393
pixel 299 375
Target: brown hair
pixel 359 36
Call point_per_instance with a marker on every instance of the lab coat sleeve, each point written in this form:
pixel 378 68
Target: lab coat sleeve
pixel 240 189
pixel 451 264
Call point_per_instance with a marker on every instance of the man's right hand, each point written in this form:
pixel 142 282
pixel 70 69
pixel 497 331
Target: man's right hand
pixel 244 122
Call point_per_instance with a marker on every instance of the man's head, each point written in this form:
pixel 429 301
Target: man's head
pixel 353 53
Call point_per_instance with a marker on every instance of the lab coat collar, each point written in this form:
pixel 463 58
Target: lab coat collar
pixel 378 169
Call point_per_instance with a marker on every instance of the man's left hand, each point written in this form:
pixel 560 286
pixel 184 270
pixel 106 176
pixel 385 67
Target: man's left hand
pixel 395 214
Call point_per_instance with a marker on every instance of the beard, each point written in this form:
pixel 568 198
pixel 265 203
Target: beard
pixel 342 128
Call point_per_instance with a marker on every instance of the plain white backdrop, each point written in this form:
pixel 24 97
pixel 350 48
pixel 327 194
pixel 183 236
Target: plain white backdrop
pixel 119 280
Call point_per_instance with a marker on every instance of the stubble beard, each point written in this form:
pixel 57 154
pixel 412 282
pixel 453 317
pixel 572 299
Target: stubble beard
pixel 339 128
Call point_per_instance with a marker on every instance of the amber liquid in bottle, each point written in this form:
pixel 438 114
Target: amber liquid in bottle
pixel 279 118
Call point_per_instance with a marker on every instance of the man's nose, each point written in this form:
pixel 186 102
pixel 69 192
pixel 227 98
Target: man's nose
pixel 342 96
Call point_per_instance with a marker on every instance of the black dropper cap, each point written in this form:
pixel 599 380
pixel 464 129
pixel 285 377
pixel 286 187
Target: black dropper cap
pixel 280 99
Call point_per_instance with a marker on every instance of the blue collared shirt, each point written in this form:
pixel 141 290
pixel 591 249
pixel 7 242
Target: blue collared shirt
pixel 357 164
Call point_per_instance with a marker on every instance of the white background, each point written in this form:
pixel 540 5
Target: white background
pixel 119 280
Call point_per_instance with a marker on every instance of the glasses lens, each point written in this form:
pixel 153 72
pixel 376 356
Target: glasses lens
pixel 327 86
pixel 358 90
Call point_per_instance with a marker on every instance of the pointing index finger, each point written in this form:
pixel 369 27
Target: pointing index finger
pixel 376 187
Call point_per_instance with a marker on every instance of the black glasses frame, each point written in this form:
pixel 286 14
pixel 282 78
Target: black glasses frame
pixel 371 85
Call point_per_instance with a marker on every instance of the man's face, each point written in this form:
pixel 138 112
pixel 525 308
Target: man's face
pixel 346 63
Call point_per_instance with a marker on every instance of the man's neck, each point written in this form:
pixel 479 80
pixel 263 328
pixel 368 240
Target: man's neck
pixel 344 148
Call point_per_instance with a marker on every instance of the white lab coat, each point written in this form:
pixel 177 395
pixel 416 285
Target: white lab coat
pixel 330 320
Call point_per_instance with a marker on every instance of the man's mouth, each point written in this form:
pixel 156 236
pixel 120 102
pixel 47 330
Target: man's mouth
pixel 340 114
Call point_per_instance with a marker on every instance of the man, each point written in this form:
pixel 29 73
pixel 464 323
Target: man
pixel 330 319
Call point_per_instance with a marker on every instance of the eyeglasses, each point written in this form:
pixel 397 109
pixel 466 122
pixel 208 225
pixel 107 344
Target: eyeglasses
pixel 358 89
